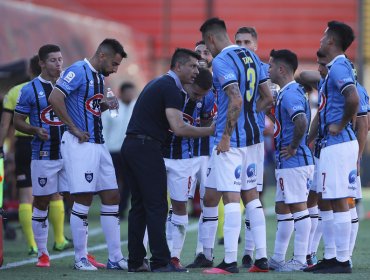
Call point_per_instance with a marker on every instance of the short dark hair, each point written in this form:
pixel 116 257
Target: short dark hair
pixel 247 30
pixel 35 66
pixel 213 24
pixel 287 57
pixel 201 42
pixel 342 33
pixel 204 79
pixel 182 56
pixel 113 46
pixel 46 49
pixel 126 85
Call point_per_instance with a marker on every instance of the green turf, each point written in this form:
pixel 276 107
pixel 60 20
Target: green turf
pixel 16 251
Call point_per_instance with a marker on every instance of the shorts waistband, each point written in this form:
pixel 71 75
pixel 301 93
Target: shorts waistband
pixel 141 137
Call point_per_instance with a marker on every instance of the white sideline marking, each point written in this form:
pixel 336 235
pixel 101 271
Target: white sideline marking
pixel 95 231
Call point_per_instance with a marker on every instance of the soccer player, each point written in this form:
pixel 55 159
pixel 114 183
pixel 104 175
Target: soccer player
pixel 294 162
pixel 233 166
pixel 47 172
pixel 181 166
pixel 247 37
pixel 157 110
pixel 22 157
pixel 202 149
pixel 338 156
pixel 77 101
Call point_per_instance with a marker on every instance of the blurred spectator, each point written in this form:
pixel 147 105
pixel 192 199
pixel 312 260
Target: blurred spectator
pixel 114 131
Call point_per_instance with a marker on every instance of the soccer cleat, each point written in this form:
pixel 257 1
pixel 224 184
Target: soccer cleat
pixel 247 261
pixel 223 268
pixel 322 264
pixel 84 264
pixel 260 265
pixel 67 244
pixel 339 267
pixel 169 268
pixel 275 265
pixel 176 263
pixel 94 262
pixel 314 258
pixel 293 265
pixel 309 261
pixel 200 261
pixel 43 261
pixel 120 265
pixel 32 251
pixel 143 268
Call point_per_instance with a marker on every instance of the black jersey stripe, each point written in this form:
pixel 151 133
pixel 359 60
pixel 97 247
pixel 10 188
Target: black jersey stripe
pixel 38 115
pixel 95 118
pixel 85 99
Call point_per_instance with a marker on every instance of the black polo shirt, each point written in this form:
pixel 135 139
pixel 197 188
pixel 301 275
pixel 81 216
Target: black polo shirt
pixel 149 114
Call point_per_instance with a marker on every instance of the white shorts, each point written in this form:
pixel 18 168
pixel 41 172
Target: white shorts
pixel 358 191
pixel 338 170
pixel 89 166
pixel 234 170
pixel 179 178
pixel 200 165
pixel 293 184
pixel 260 168
pixel 48 177
pixel 315 179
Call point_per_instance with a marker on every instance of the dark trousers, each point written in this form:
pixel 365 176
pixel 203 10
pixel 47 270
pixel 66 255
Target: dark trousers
pixel 145 174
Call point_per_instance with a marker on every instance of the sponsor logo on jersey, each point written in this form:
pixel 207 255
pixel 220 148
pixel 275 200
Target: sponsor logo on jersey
pixel 41 94
pixel 352 176
pixel 49 117
pixel 252 170
pixel 42 181
pixel 277 128
pixel 69 77
pixel 89 176
pixel 93 104
pixel 238 171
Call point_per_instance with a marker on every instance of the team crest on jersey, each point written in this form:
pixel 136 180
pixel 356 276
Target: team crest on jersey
pixel 93 104
pixel 42 181
pixel 188 119
pixel 41 94
pixel 199 105
pixel 89 176
pixel 322 102
pixel 277 128
pixel 238 171
pixel 69 77
pixel 49 117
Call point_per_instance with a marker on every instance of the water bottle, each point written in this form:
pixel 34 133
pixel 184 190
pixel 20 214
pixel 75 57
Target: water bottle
pixel 111 98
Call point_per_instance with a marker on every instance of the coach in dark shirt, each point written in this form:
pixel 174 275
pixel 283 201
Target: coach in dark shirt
pixel 157 110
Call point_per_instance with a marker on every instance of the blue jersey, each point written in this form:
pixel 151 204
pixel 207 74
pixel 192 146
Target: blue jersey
pixel 236 65
pixel 176 147
pixel 203 146
pixel 261 115
pixel 33 102
pixel 364 100
pixel 291 102
pixel 83 87
pixel 340 75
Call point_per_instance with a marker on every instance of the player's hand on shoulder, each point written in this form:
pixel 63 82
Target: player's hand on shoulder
pixel 83 136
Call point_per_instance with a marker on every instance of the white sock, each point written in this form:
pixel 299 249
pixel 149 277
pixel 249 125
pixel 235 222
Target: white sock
pixel 317 237
pixel 79 228
pixel 145 240
pixel 354 230
pixel 314 216
pixel 342 225
pixel 285 227
pixel 209 229
pixel 179 226
pixel 199 248
pixel 248 237
pixel 328 234
pixel 232 227
pixel 302 225
pixel 109 219
pixel 258 227
pixel 169 230
pixel 40 227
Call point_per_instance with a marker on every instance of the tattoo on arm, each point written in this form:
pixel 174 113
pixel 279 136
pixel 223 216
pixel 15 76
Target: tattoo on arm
pixel 233 109
pixel 300 126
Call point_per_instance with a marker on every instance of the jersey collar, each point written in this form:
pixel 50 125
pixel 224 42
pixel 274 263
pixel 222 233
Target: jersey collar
pixel 173 75
pixel 335 58
pixel 284 87
pixel 45 81
pixel 91 67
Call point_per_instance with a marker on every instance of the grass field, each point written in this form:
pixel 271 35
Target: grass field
pixel 17 265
